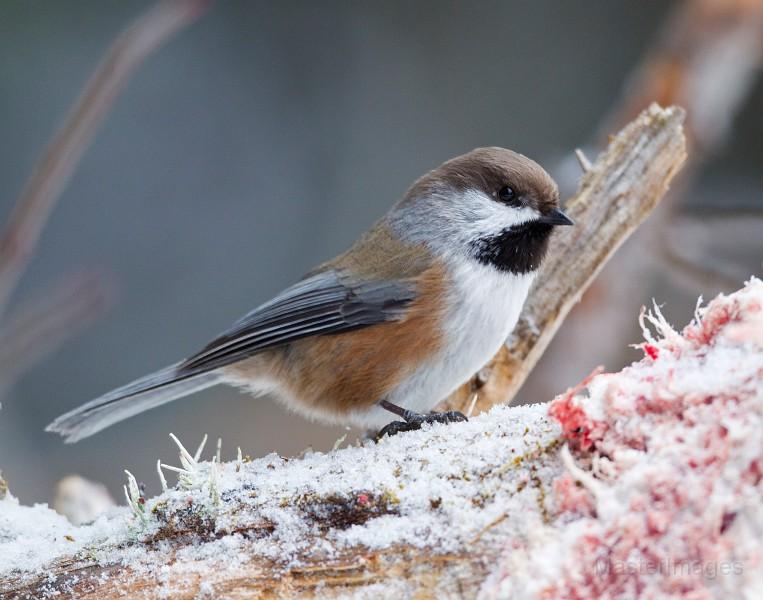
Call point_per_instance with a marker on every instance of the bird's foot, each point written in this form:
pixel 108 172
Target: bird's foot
pixel 414 421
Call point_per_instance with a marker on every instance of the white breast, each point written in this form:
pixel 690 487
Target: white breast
pixel 483 309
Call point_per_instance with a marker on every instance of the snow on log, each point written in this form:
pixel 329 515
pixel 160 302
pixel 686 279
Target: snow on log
pixel 643 482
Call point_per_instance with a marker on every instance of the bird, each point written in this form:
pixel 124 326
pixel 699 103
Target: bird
pixel 392 326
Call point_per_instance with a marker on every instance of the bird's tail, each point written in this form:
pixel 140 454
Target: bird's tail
pixel 134 398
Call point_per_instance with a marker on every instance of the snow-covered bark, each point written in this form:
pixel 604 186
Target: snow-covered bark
pixel 646 481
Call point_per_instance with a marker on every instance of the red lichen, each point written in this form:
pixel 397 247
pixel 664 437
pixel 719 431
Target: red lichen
pixel 651 351
pixel 571 497
pixel 578 427
pixel 675 455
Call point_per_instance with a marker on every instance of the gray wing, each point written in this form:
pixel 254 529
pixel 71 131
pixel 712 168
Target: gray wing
pixel 324 303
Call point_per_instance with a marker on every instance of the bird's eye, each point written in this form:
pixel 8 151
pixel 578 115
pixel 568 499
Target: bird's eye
pixel 507 195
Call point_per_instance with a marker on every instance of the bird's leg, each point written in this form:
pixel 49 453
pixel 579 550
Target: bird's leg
pixel 413 420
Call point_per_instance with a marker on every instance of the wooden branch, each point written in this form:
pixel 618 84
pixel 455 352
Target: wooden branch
pixel 616 194
pixel 52 172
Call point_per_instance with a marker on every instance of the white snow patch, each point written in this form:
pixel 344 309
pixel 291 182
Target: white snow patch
pixel 421 488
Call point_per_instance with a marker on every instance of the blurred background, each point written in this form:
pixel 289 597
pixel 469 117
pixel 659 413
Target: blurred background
pixel 266 136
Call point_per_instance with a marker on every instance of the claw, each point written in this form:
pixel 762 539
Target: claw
pixel 414 421
pixel 394 428
pixel 452 416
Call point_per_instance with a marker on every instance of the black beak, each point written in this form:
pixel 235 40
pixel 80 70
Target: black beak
pixel 556 217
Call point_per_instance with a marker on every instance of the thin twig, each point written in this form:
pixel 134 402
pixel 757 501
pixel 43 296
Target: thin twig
pixel 40 327
pixel 472 404
pixel 52 172
pixel 585 164
pixel 498 520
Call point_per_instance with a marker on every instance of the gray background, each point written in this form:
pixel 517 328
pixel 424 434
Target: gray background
pixel 259 142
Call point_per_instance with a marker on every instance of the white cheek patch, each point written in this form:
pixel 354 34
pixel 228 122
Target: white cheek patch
pixel 484 215
pixel 451 221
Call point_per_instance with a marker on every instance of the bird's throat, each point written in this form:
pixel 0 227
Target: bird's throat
pixel 518 250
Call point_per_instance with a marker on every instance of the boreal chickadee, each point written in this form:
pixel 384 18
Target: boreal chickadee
pixel 414 308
